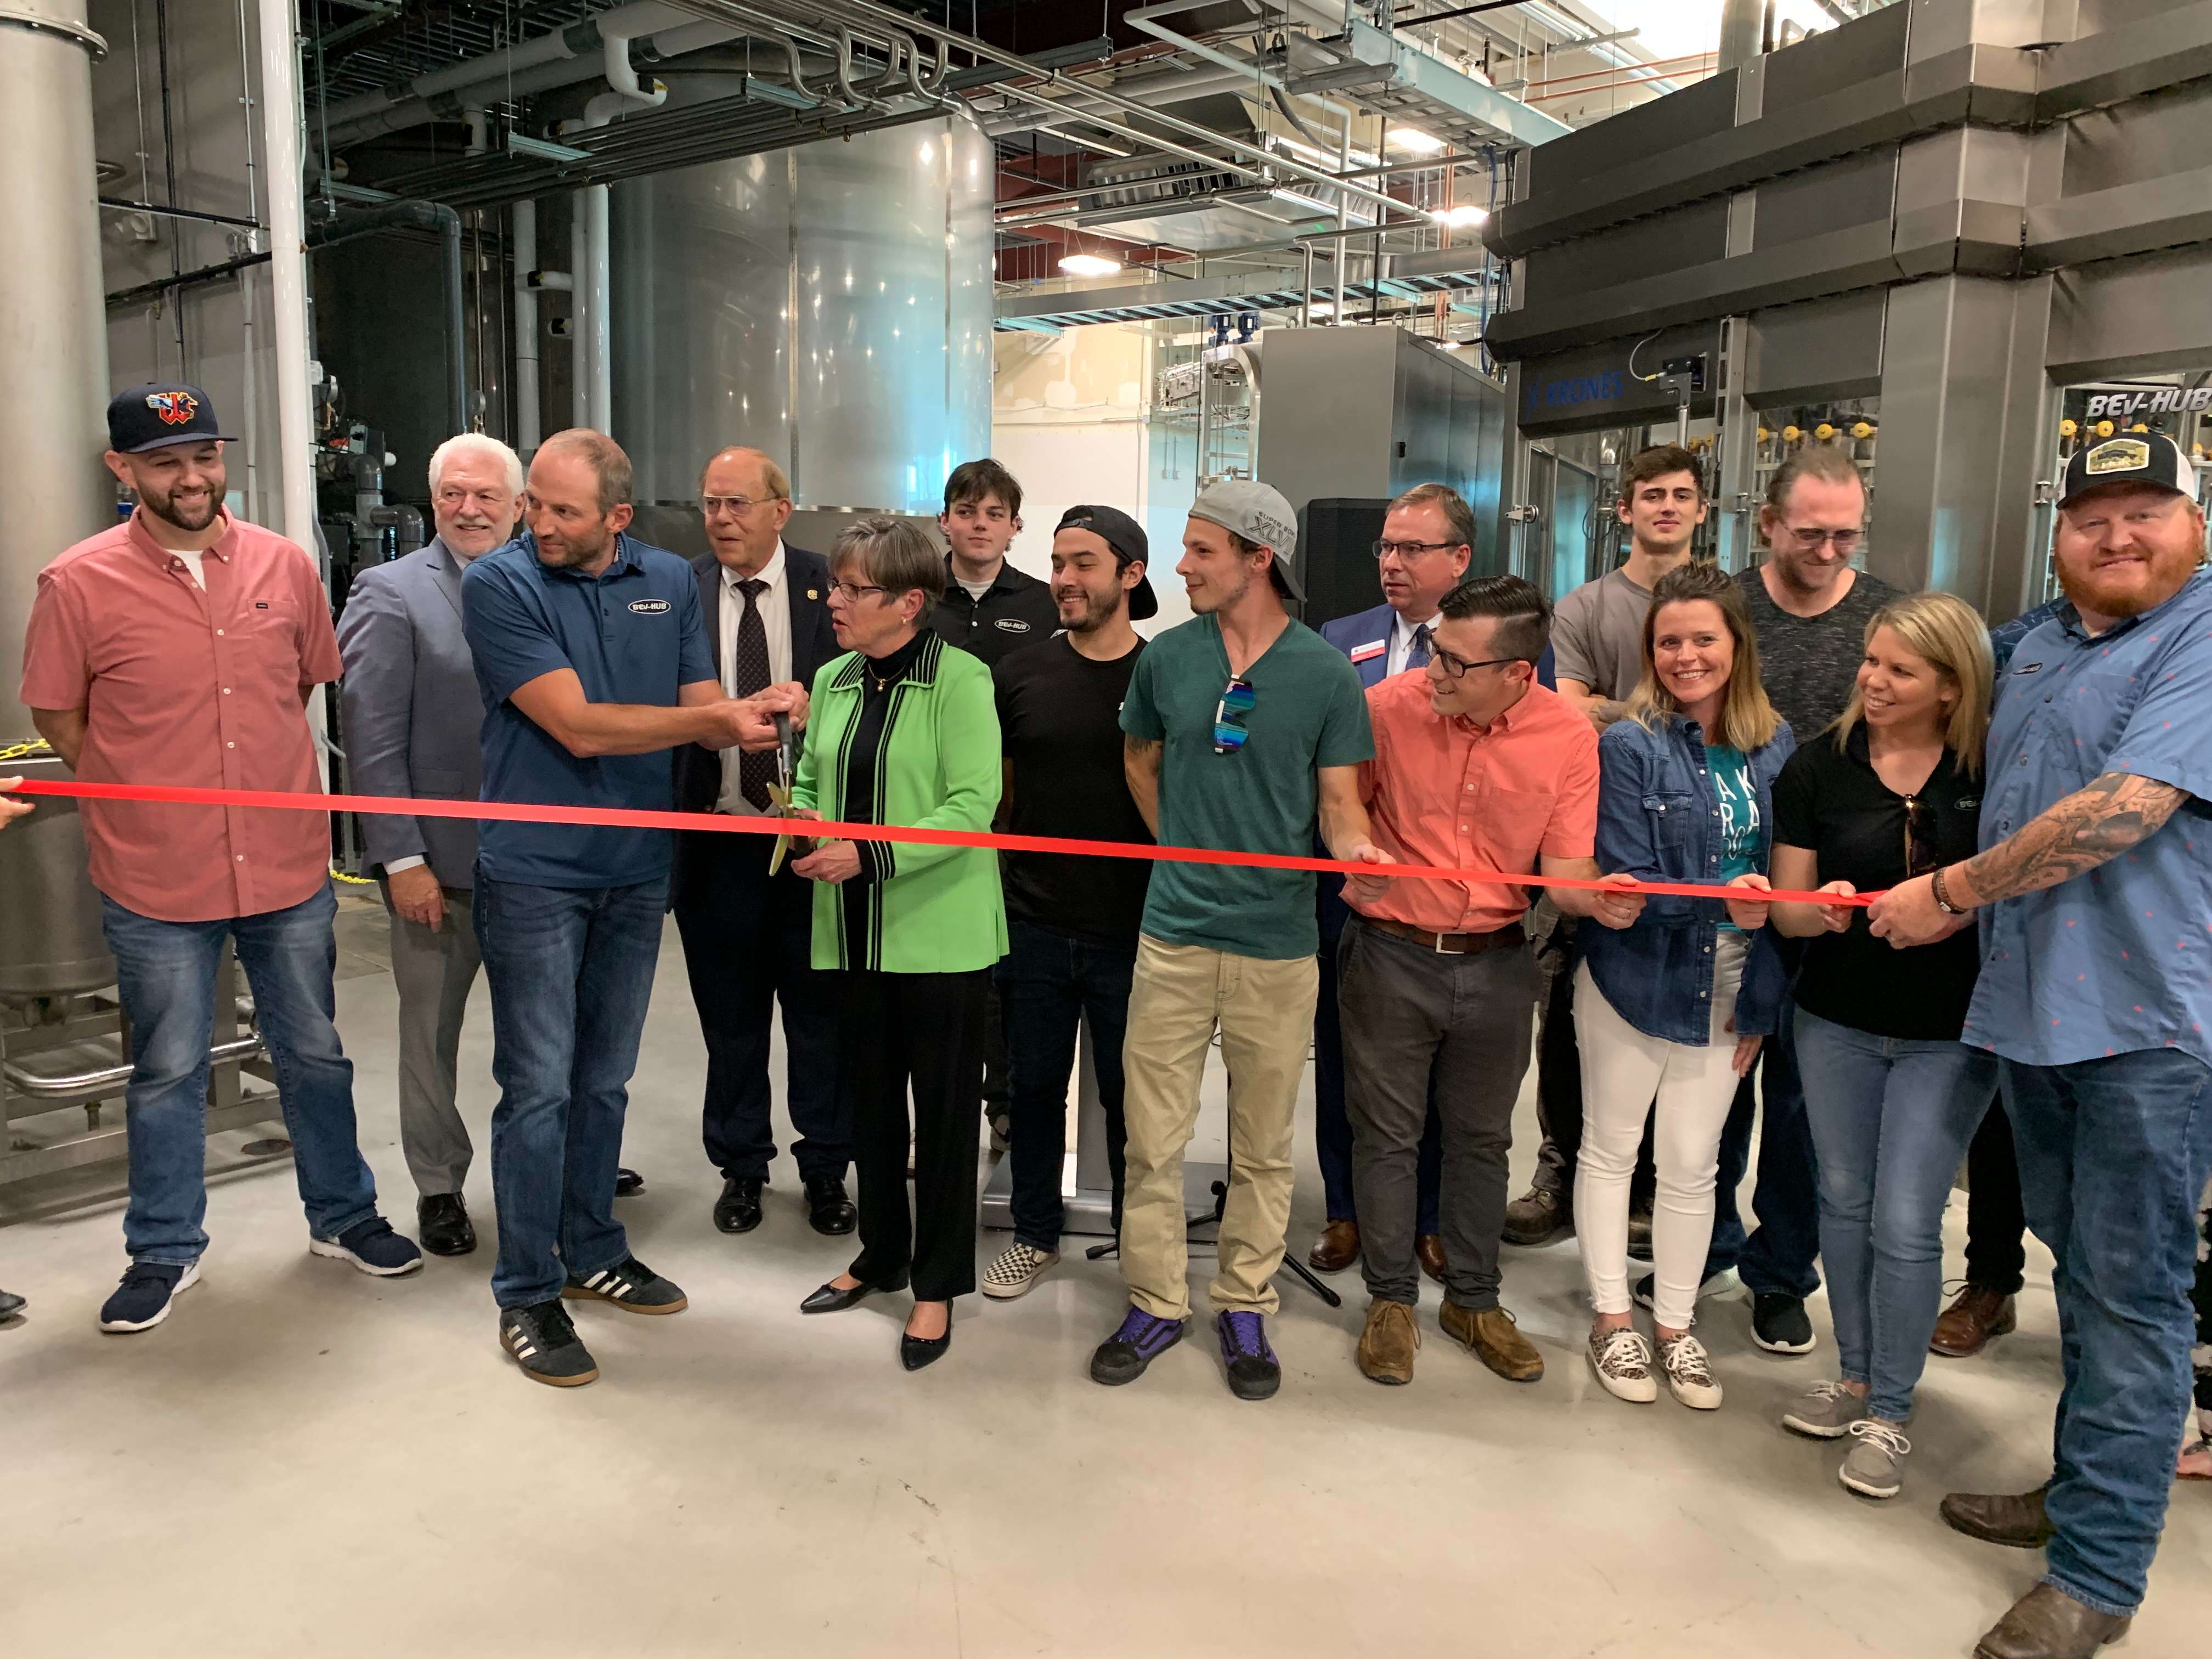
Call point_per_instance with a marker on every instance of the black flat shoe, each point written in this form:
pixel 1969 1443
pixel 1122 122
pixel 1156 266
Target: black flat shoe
pixel 443 1220
pixel 916 1351
pixel 739 1209
pixel 629 1183
pixel 828 1210
pixel 831 1299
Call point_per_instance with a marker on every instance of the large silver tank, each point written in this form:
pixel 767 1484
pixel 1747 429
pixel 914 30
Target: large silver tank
pixel 829 303
pixel 53 490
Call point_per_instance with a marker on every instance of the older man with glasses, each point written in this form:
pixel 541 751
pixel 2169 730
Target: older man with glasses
pixel 411 718
pixel 748 930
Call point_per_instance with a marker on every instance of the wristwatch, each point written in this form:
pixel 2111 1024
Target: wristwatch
pixel 1943 899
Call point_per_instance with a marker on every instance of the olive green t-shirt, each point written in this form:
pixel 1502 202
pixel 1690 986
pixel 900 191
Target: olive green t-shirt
pixel 1308 711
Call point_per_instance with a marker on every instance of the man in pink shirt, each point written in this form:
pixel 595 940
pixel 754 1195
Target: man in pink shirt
pixel 180 648
pixel 1476 767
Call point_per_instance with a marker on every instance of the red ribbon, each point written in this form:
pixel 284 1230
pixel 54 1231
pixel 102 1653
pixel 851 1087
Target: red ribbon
pixel 621 819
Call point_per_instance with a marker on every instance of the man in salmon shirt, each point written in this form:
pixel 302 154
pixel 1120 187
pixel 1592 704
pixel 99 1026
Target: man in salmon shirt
pixel 1476 767
pixel 180 648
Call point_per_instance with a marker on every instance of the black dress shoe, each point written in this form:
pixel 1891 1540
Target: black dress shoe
pixel 915 1352
pixel 830 1298
pixel 442 1220
pixel 828 1209
pixel 739 1209
pixel 629 1183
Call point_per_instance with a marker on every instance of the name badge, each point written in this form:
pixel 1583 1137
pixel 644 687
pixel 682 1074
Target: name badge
pixel 649 607
pixel 1369 652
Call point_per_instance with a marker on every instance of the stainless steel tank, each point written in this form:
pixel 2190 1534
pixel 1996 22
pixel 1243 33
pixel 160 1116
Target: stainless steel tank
pixel 53 490
pixel 829 304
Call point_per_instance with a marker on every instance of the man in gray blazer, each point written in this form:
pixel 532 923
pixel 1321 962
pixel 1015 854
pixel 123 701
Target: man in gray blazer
pixel 412 713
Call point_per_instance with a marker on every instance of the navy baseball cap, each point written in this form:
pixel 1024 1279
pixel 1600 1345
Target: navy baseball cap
pixel 152 417
pixel 1126 537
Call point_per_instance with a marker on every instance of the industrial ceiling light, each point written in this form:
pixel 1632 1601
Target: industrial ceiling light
pixel 1090 265
pixel 1465 214
pixel 1414 139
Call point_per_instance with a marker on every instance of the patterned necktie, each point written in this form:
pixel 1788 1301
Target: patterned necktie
pixel 1417 654
pixel 749 673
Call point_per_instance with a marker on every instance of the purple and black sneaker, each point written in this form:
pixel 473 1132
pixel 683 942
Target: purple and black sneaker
pixel 1122 1356
pixel 1254 1373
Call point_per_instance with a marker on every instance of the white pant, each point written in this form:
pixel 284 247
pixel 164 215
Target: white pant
pixel 1626 1076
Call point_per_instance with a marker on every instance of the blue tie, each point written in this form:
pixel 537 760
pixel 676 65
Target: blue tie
pixel 1417 655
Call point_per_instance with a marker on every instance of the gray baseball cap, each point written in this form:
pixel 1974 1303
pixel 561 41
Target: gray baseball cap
pixel 1259 513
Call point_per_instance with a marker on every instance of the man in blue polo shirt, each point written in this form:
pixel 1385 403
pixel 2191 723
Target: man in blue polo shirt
pixel 592 655
pixel 2094 883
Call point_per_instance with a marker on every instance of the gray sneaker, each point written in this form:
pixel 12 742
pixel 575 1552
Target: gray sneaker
pixel 1875 1466
pixel 1826 1412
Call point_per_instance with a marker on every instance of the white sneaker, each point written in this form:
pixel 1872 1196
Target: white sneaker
pixel 1018 1270
pixel 1622 1360
pixel 1689 1372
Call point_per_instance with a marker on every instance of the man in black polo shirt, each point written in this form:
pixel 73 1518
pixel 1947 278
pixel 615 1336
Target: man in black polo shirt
pixel 591 657
pixel 1071 920
pixel 989 607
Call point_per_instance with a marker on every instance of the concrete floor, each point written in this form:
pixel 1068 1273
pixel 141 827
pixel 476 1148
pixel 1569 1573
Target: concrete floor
pixel 304 1460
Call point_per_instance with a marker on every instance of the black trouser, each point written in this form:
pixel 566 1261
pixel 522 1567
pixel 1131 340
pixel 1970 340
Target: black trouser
pixel 1996 1228
pixel 747 936
pixel 1049 984
pixel 923 1030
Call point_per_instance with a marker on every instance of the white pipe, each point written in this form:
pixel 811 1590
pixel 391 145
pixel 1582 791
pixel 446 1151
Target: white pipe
pixel 288 266
pixel 523 242
pixel 594 398
pixel 1142 18
pixel 597 310
pixel 579 317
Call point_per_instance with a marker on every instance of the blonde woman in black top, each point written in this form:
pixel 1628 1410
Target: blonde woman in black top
pixel 1891 791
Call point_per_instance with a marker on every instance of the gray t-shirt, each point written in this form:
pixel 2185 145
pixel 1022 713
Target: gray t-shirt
pixel 1809 664
pixel 1597 635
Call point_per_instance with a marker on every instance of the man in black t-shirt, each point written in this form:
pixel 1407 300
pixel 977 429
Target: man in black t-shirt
pixel 1071 920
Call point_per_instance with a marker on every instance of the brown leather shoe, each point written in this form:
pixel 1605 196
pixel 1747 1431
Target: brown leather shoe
pixel 2047 1623
pixel 2018 1523
pixel 1337 1248
pixel 1534 1217
pixel 1979 1314
pixel 1386 1347
pixel 1496 1341
pixel 1430 1249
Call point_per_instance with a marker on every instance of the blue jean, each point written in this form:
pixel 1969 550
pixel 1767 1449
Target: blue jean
pixel 570 971
pixel 1779 1259
pixel 166 971
pixel 2114 1156
pixel 1048 983
pixel 1891 1120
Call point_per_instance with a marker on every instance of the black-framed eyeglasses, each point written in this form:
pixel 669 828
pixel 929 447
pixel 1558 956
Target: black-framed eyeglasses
pixel 1229 734
pixel 1411 550
pixel 1921 854
pixel 853 592
pixel 1459 667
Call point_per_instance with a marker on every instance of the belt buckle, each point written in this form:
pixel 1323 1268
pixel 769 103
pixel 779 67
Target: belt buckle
pixel 1438 946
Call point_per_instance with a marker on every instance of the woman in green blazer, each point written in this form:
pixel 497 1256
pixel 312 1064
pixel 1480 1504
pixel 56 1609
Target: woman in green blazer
pixel 904 731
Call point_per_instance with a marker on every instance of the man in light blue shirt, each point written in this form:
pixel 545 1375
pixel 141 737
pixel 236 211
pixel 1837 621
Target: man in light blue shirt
pixel 2095 885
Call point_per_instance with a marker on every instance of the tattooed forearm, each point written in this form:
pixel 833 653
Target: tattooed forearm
pixel 1140 766
pixel 2090 827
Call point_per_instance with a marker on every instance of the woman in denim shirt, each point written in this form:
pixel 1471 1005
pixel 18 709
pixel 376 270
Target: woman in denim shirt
pixel 1670 1011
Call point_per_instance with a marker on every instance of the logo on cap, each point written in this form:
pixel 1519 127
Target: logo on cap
pixel 176 407
pixel 2119 455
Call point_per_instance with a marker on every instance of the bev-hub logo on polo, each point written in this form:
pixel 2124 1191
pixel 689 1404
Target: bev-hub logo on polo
pixel 176 407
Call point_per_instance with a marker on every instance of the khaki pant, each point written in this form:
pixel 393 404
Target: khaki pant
pixel 1264 1010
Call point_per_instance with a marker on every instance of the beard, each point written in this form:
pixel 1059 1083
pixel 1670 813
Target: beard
pixel 2142 587
pixel 1098 611
pixel 568 554
pixel 193 516
pixel 1216 598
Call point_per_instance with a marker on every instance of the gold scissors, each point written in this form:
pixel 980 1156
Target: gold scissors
pixel 780 791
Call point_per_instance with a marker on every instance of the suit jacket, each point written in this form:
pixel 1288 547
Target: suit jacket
pixel 410 709
pixel 1349 633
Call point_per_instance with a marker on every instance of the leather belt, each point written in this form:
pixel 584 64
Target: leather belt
pixel 1452 945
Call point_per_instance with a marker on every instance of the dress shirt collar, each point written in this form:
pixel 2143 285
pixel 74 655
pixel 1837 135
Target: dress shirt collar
pixel 143 538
